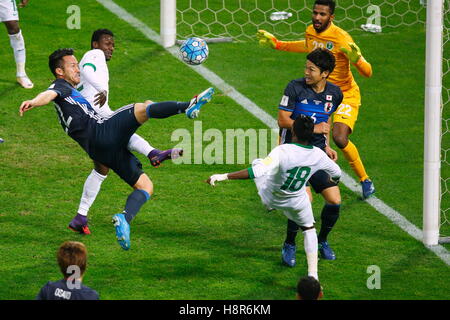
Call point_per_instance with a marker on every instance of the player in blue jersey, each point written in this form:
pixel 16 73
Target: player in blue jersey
pixel 105 140
pixel 317 98
pixel 94 86
pixel 72 261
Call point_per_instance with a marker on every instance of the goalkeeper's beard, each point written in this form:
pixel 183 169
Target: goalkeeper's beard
pixel 322 27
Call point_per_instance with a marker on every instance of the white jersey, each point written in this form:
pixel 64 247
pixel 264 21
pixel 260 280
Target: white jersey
pixel 281 177
pixel 8 10
pixel 94 79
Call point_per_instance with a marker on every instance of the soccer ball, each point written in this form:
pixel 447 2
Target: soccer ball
pixel 194 51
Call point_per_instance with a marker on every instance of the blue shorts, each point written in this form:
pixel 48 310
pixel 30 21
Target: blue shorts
pixel 108 144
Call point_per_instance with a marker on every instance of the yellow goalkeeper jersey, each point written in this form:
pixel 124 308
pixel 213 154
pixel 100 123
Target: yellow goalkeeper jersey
pixel 332 39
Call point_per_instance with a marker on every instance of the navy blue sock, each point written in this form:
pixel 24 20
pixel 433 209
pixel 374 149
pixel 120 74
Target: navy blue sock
pixel 291 232
pixel 330 214
pixel 166 109
pixel 134 203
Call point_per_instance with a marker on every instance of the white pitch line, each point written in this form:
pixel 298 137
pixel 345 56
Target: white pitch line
pixel 268 120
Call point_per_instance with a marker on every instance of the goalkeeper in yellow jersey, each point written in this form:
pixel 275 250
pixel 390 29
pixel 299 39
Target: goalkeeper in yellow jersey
pixel 322 33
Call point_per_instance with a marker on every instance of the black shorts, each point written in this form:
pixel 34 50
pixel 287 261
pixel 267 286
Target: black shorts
pixel 109 144
pixel 320 181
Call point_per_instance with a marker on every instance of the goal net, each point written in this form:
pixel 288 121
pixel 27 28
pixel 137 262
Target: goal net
pixel 239 19
pixel 287 19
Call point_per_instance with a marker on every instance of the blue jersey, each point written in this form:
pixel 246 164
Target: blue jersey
pixel 299 98
pixel 76 115
pixel 105 140
pixel 59 290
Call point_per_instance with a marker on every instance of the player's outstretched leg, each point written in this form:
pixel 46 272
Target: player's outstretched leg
pixel 197 102
pixel 161 110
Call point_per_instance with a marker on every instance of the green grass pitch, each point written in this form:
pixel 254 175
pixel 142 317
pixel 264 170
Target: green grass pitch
pixel 192 241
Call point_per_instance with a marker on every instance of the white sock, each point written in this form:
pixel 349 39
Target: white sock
pixel 139 144
pixel 311 247
pixel 18 45
pixel 90 191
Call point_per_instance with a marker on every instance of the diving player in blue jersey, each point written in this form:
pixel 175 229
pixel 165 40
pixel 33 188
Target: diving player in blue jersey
pixel 317 98
pixel 105 140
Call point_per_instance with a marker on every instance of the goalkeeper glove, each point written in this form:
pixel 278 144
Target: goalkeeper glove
pixel 217 177
pixel 354 54
pixel 266 39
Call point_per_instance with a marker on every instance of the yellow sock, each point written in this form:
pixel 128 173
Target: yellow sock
pixel 352 155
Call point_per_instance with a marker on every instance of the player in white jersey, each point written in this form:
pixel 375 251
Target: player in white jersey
pixel 281 178
pixel 9 15
pixel 94 86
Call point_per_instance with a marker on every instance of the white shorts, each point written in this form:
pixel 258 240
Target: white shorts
pixel 8 10
pixel 297 209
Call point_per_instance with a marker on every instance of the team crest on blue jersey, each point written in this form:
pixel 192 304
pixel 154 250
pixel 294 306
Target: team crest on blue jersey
pixel 328 106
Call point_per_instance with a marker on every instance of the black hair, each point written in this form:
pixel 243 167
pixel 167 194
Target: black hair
pixel 329 3
pixel 55 59
pixel 322 58
pixel 97 34
pixel 303 128
pixel 308 288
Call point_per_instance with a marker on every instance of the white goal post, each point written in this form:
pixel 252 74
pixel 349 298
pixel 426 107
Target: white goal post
pixel 168 22
pixel 433 122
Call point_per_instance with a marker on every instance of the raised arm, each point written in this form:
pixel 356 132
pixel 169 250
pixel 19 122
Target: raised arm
pixel 354 55
pixel 266 39
pixel 292 46
pixel 242 174
pixel 41 99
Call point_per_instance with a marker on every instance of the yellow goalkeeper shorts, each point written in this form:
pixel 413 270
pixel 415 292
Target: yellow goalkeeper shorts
pixel 347 112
